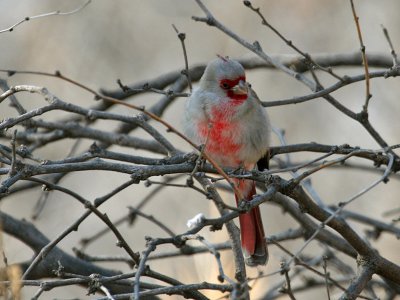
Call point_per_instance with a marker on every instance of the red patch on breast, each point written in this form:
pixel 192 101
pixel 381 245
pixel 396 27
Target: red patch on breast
pixel 220 132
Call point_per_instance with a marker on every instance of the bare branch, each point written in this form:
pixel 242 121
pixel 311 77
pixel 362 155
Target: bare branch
pixel 49 139
pixel 53 13
pixel 365 275
pixel 308 60
pixel 364 58
pixel 255 47
pixel 182 37
pixel 392 51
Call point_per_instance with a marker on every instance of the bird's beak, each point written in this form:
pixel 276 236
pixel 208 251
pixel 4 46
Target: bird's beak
pixel 241 88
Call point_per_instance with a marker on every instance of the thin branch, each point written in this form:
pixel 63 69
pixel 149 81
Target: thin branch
pixel 255 47
pixel 32 237
pixel 14 101
pixel 88 205
pixel 334 87
pixel 288 289
pixel 364 58
pixel 182 37
pixel 358 284
pixel 48 246
pixel 326 273
pixel 337 212
pixel 128 218
pixel 52 99
pixel 222 276
pixel 234 236
pixel 378 225
pixel 177 290
pixel 300 262
pixel 53 13
pixel 13 167
pixel 41 202
pixel 385 267
pixel 135 211
pixel 392 51
pixel 147 88
pixel 308 59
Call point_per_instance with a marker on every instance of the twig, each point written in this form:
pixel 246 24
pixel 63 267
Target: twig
pixel 54 13
pixel 148 88
pixel 189 250
pixel 50 245
pixel 14 102
pixel 378 225
pixel 300 262
pixel 13 168
pixel 309 60
pixel 51 98
pixel 364 58
pixel 107 292
pixel 385 267
pixel 290 61
pixel 326 273
pixel 234 236
pixel 222 276
pixel 182 37
pixel 134 211
pixel 355 288
pixel 333 215
pixel 178 290
pixel 326 91
pixel 288 289
pixel 128 218
pixel 391 211
pixel 151 246
pixel 88 205
pixel 378 157
pixel 392 51
pixel 321 166
pixel 255 47
pixel 41 202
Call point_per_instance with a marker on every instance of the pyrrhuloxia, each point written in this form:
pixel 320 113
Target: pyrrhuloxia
pixel 225 114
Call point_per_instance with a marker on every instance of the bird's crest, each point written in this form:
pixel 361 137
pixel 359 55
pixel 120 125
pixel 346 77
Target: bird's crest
pixel 224 58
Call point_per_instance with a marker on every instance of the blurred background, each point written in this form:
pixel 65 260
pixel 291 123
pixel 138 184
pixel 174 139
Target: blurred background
pixel 134 41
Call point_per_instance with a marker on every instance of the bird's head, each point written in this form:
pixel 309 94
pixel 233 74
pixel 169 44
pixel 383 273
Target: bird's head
pixel 226 78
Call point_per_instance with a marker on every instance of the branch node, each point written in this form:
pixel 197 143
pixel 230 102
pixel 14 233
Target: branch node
pixel 257 45
pixel 247 3
pixel 94 284
pixel 59 272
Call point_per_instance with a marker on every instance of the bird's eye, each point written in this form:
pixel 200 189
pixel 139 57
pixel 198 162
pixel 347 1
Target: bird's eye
pixel 225 86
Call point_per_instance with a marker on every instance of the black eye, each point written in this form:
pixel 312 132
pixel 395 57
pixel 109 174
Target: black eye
pixel 225 86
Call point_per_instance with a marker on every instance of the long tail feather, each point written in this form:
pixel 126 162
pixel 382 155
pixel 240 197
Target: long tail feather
pixel 252 233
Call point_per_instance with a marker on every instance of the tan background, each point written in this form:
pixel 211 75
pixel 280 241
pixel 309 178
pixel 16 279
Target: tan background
pixel 134 40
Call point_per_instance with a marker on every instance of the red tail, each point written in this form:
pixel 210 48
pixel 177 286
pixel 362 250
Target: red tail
pixel 254 245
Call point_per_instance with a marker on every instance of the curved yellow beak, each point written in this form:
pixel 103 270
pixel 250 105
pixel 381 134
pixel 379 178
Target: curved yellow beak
pixel 241 88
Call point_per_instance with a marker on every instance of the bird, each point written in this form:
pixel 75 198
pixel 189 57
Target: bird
pixel 225 115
